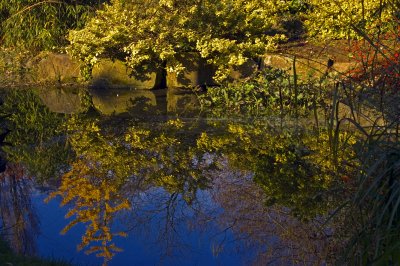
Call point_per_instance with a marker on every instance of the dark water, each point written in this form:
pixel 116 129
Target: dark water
pixel 147 178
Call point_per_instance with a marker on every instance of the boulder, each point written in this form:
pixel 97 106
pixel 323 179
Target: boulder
pixel 53 67
pixel 114 73
pixel 243 71
pixel 197 73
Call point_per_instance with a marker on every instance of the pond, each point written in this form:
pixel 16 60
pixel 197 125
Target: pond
pixel 147 178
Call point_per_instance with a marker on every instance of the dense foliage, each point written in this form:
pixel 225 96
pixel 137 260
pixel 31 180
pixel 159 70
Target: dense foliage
pixel 149 33
pixel 271 91
pixel 38 25
pixel 348 19
pixel 293 169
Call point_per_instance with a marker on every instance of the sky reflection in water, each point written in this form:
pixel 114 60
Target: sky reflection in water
pixel 191 246
pixel 187 191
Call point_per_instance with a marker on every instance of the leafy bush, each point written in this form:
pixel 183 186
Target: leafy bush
pixel 148 33
pixel 273 90
pixel 344 19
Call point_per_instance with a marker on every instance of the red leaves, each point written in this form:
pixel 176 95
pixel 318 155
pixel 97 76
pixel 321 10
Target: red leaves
pixel 378 62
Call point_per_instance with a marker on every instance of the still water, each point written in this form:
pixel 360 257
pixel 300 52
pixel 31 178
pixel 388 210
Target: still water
pixel 148 178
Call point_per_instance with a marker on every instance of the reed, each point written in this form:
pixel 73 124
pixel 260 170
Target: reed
pixel 372 211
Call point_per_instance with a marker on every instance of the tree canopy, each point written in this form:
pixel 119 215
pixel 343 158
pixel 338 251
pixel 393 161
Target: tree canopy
pixel 148 33
pixel 342 19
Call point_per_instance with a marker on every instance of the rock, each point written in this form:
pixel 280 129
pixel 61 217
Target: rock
pixel 116 74
pixel 197 73
pixel 243 71
pixel 54 67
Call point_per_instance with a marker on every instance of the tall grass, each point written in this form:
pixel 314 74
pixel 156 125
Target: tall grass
pixel 374 208
pixel 372 214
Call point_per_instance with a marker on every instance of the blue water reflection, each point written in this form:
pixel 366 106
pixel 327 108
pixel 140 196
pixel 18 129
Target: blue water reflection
pixel 185 189
pixel 145 245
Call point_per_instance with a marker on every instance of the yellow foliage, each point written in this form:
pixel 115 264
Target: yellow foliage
pixel 338 19
pixel 95 201
pixel 224 32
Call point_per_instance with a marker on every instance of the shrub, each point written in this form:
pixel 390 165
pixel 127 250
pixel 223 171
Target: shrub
pixel 148 33
pixel 344 19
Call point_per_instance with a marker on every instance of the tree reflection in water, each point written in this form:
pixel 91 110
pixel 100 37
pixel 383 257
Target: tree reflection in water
pixel 277 236
pixel 267 187
pixel 20 224
pixel 108 166
pixel 158 173
pixel 276 189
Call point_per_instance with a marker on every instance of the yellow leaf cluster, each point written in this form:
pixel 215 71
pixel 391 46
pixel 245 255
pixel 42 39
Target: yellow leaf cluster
pixel 146 33
pixel 338 19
